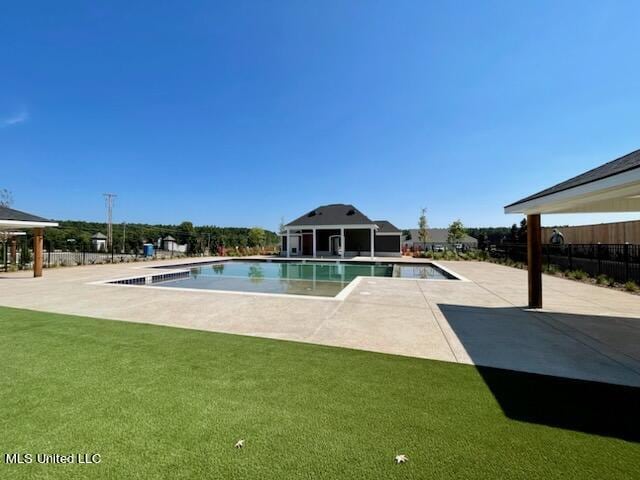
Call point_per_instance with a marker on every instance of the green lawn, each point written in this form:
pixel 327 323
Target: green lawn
pixel 160 402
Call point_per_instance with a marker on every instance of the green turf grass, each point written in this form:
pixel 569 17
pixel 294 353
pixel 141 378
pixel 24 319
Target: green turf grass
pixel 159 402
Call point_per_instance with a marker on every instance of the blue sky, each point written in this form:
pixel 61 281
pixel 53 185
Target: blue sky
pixel 244 112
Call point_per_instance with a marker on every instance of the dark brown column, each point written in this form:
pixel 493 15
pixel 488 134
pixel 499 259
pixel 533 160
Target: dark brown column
pixel 534 260
pixel 38 240
pixel 13 255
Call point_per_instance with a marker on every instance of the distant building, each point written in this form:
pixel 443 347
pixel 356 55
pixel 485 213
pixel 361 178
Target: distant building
pixel 436 237
pixel 170 244
pixel 99 241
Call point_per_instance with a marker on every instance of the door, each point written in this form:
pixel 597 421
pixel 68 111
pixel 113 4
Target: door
pixel 307 244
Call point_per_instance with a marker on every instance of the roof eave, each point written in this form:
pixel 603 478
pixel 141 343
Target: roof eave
pixel 610 194
pixel 330 226
pixel 26 224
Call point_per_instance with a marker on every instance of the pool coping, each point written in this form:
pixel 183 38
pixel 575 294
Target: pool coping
pixel 341 296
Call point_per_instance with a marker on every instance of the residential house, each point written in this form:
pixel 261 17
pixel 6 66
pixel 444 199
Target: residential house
pixel 436 237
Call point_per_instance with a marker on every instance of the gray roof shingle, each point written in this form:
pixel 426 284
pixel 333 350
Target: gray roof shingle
pixel 7 213
pixel 386 227
pixel 627 162
pixel 334 214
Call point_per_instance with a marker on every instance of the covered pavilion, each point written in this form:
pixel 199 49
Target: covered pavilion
pixel 612 187
pixel 14 222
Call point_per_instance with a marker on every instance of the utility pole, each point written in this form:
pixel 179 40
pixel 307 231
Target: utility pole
pixel 108 198
pixel 124 234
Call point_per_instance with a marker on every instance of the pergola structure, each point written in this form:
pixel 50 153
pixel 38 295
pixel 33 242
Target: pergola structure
pixel 13 221
pixel 612 187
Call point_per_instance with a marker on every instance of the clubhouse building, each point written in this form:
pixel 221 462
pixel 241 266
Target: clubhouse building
pixel 339 230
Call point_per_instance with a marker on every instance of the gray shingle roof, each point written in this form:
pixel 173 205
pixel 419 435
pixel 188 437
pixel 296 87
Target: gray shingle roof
pixel 627 162
pixel 386 227
pixel 16 215
pixel 437 235
pixel 334 214
pixel 98 236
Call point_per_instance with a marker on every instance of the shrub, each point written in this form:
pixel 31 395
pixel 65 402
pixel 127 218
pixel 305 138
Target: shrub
pixel 449 255
pixel 580 275
pixel 476 255
pixel 603 279
pixel 631 286
pixel 577 274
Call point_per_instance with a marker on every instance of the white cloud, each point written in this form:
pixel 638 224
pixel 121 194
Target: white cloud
pixel 19 117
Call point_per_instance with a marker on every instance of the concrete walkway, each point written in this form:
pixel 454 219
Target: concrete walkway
pixel 585 332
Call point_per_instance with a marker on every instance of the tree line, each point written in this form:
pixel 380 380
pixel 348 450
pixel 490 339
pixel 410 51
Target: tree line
pixel 129 237
pixel 488 236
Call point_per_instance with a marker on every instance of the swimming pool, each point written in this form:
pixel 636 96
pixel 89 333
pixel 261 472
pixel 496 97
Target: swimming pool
pixel 325 279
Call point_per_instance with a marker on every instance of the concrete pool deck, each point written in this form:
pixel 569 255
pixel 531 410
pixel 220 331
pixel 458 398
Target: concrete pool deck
pixel 584 332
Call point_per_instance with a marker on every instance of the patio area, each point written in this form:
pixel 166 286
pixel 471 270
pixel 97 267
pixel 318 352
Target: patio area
pixel 584 332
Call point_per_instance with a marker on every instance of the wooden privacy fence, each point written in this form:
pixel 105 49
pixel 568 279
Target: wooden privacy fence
pixel 606 233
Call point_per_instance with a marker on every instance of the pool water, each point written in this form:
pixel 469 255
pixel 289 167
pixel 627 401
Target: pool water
pixel 325 279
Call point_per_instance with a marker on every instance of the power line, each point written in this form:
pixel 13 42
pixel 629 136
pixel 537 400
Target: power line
pixel 108 198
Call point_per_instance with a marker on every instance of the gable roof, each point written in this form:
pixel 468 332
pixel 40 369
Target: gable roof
pixel 622 164
pixel 386 227
pixel 169 238
pixel 98 236
pixel 437 235
pixel 7 213
pixel 334 214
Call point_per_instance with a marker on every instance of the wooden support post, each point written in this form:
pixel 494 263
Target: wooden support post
pixel 38 239
pixel 534 260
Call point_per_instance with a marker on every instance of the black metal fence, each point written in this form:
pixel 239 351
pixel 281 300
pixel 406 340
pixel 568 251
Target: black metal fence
pixel 618 261
pixel 19 256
